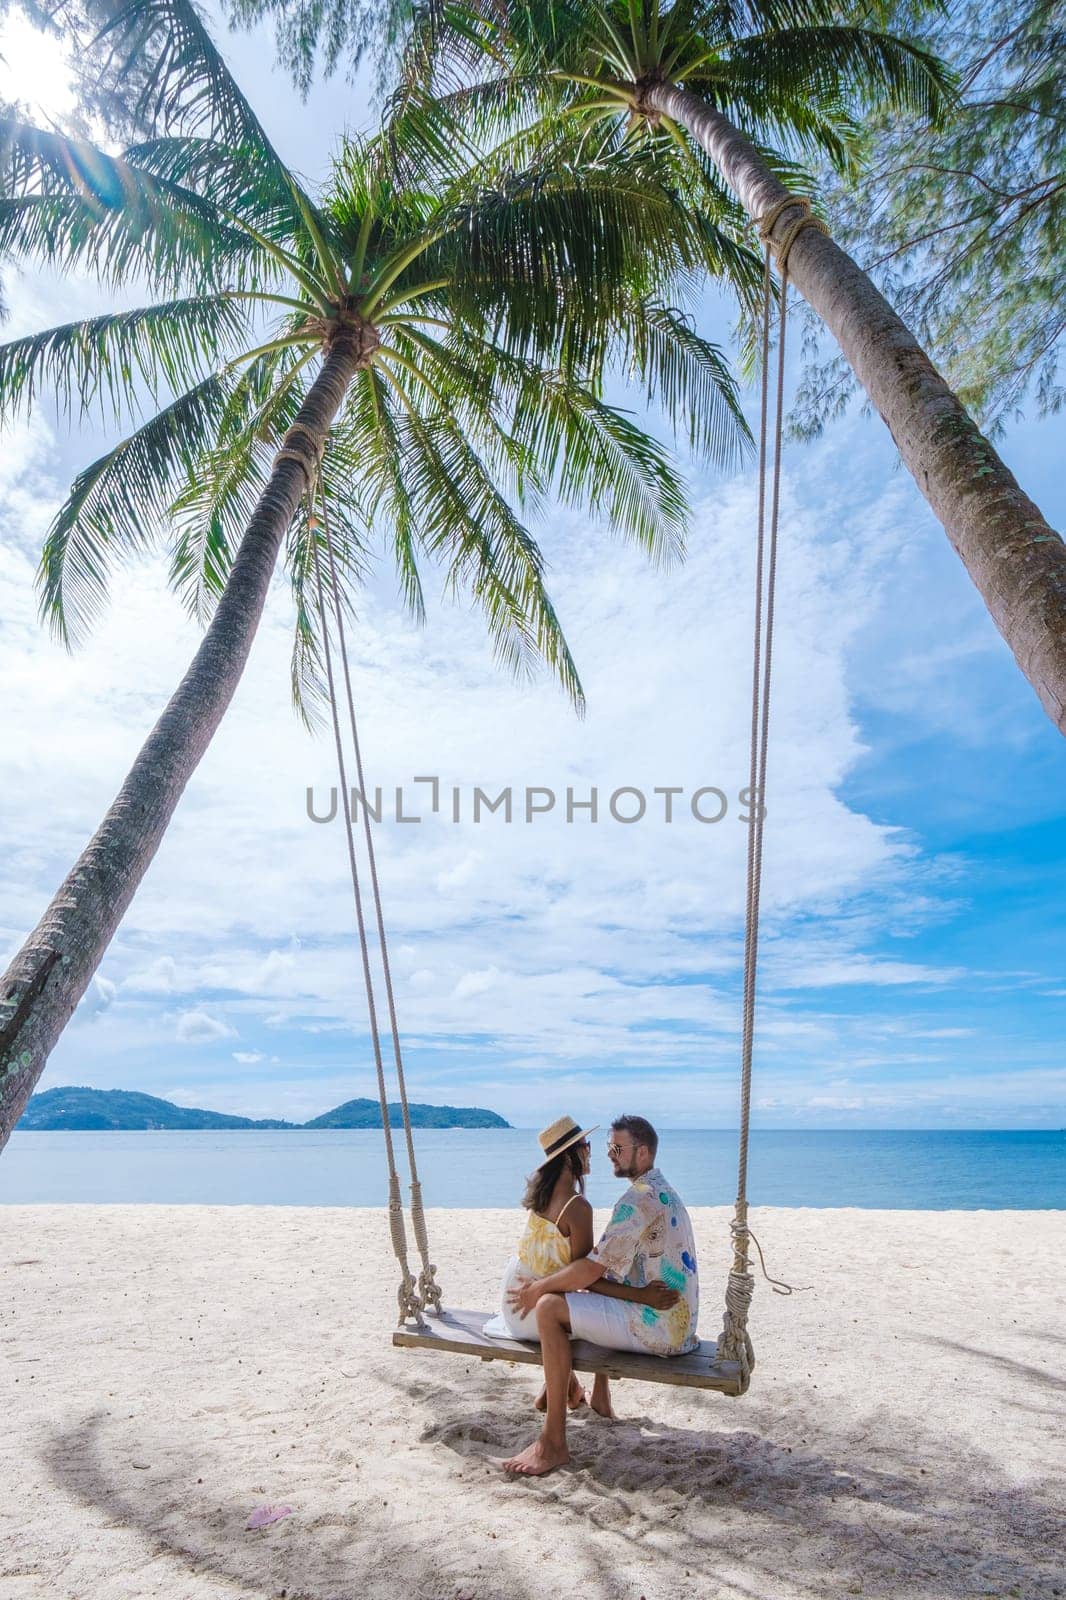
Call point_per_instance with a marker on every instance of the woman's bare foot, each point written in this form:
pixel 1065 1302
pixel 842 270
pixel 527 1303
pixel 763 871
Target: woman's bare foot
pixel 537 1459
pixel 600 1400
pixel 575 1399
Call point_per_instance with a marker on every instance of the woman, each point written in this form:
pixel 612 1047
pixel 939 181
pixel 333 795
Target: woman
pixel 559 1230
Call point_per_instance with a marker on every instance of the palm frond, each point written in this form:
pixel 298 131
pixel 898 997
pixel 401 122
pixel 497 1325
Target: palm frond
pixel 693 381
pixel 183 82
pixel 836 68
pixel 120 504
pixel 464 521
pixel 595 455
pixel 100 360
pixel 189 89
pixel 369 434
pixel 551 255
pixel 213 507
pixel 240 180
pixel 348 525
pixel 76 208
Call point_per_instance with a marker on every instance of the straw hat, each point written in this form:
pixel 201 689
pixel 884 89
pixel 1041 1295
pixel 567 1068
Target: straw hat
pixel 559 1136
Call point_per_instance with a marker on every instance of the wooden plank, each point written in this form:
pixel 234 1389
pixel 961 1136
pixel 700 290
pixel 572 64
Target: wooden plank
pixel 463 1333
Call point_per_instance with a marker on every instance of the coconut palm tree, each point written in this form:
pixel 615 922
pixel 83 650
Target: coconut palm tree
pixel 732 90
pixel 451 347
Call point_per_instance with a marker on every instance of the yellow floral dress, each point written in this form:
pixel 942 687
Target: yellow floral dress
pixel 542 1250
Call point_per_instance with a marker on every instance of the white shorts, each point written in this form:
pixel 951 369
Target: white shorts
pixel 592 1316
pixel 603 1321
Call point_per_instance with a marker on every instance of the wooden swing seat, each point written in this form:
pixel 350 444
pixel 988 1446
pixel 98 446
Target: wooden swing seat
pixel 463 1333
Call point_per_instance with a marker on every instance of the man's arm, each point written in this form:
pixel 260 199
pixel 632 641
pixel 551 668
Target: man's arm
pixel 588 1274
pixel 578 1275
pixel 656 1294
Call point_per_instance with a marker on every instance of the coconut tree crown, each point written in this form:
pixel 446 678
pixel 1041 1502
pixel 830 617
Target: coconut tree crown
pixel 483 314
pixel 794 77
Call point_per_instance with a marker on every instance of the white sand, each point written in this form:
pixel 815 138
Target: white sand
pixel 167 1369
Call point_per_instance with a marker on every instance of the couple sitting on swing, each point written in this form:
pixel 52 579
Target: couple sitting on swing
pixel 636 1289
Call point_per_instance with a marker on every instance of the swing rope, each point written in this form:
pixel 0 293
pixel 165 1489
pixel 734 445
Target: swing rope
pixel 734 1342
pixel 412 1296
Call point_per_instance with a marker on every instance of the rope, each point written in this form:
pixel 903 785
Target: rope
pixel 734 1343
pixel 782 246
pixel 309 468
pixel 410 1305
pixel 429 1290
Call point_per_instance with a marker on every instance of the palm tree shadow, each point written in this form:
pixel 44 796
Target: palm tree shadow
pixel 713 1499
pixel 308 1558
pixel 751 1515
pixel 1039 1377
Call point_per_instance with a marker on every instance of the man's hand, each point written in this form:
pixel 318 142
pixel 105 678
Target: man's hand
pixel 524 1298
pixel 659 1295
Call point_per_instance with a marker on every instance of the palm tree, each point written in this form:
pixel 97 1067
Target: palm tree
pixel 733 90
pixel 450 347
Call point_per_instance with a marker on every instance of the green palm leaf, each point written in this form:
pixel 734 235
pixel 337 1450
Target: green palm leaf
pixel 84 210
pixel 101 359
pixel 188 88
pixel 120 504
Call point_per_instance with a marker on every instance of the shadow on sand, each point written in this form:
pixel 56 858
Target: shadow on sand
pixel 734 1512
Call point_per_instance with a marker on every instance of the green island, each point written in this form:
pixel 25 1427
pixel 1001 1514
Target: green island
pixel 84 1110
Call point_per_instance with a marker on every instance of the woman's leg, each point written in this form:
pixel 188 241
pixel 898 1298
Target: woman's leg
pixel 549 1451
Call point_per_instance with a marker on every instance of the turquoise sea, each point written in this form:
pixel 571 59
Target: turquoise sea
pixel 903 1170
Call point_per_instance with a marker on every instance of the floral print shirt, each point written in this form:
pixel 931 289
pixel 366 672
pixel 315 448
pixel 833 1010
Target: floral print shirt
pixel 649 1236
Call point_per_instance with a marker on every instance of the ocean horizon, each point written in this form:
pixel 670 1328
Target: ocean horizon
pixel 880 1169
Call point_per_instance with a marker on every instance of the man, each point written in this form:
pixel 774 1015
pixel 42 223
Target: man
pixel 648 1240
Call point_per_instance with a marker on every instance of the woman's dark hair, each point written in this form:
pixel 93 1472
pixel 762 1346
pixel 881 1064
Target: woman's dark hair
pixel 539 1184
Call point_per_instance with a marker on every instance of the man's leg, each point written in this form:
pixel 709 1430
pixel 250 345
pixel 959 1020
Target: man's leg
pixel 549 1451
pixel 601 1397
pixel 574 1400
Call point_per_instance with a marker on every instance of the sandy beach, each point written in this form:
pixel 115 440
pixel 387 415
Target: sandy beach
pixel 166 1370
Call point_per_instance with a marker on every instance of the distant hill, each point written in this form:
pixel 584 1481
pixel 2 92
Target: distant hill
pixel 367 1114
pixel 84 1110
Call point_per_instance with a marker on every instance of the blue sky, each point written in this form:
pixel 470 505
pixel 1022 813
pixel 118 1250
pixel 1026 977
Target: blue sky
pixel 913 970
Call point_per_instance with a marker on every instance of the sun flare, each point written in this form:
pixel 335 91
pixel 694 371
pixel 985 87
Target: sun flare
pixel 35 69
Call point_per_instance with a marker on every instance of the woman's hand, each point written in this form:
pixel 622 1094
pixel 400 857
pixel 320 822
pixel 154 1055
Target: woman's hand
pixel 659 1295
pixel 524 1297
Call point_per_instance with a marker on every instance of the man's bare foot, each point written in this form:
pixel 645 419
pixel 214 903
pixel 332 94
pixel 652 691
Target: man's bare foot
pixel 575 1399
pixel 537 1460
pixel 600 1400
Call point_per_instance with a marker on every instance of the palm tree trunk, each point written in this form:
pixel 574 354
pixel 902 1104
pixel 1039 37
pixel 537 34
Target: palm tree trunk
pixel 51 972
pixel 1016 560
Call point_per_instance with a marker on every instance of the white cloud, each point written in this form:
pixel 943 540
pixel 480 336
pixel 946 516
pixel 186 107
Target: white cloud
pixel 475 983
pixel 197 1027
pixel 160 976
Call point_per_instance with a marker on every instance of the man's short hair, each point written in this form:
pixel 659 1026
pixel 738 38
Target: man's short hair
pixel 640 1131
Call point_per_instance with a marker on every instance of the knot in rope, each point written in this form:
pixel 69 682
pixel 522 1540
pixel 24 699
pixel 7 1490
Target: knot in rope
pixel 734 1343
pixel 310 468
pixel 806 219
